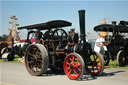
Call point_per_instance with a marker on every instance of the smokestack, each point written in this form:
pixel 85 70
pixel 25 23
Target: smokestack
pixel 82 25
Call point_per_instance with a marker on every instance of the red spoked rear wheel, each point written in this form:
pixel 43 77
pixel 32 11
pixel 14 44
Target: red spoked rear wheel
pixel 74 66
pixel 95 64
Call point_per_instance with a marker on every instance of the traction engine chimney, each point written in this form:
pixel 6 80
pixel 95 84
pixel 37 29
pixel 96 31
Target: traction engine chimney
pixel 82 25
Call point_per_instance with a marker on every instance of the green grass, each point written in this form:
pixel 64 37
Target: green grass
pixel 14 61
pixel 113 64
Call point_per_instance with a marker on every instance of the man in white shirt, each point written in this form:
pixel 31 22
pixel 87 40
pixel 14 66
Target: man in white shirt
pixel 100 44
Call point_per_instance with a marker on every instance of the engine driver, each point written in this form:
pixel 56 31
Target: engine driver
pixel 100 44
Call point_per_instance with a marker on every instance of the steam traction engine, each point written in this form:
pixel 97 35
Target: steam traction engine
pixel 118 41
pixel 57 49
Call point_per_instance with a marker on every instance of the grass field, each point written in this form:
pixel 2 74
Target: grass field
pixel 16 60
pixel 113 64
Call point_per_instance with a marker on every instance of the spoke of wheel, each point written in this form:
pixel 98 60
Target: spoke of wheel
pixel 32 67
pixel 40 60
pixel 99 66
pixel 38 65
pixel 38 56
pixel 95 57
pixel 30 62
pixel 96 67
pixel 33 53
pixel 93 68
pixel 68 63
pixel 68 67
pixel 69 72
pixel 31 59
pixel 79 69
pixel 35 68
pixel 94 63
pixel 75 72
pixel 77 60
pixel 79 64
pixel 73 58
pixel 31 49
pixel 30 54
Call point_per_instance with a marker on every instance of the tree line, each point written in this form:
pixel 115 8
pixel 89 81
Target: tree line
pixel 4 37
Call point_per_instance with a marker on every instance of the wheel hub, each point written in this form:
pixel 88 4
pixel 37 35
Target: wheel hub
pixel 73 66
pixel 94 63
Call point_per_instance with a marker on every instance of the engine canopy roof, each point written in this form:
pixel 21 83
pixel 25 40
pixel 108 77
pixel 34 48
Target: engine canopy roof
pixel 47 25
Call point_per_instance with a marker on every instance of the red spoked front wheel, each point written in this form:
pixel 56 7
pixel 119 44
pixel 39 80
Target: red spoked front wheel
pixel 74 66
pixel 95 64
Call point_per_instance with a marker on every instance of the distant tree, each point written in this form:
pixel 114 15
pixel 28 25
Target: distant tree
pixel 3 37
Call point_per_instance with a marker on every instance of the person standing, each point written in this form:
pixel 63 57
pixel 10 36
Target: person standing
pixel 100 43
pixel 38 35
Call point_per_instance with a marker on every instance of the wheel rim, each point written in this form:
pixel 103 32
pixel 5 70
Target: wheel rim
pixel 94 65
pixel 122 59
pixel 72 67
pixel 33 60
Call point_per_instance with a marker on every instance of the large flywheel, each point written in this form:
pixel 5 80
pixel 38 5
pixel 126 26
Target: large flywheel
pixel 59 34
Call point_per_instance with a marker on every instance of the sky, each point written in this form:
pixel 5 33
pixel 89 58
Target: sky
pixel 36 11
